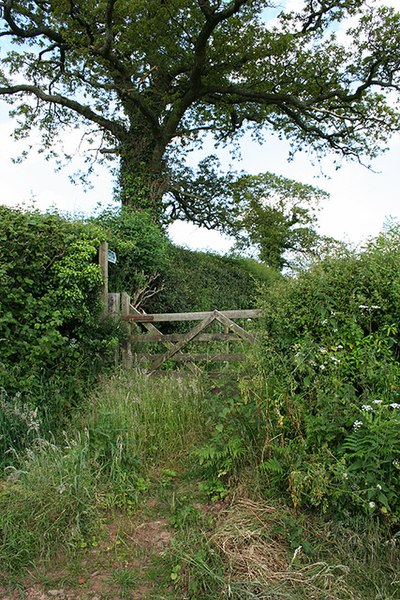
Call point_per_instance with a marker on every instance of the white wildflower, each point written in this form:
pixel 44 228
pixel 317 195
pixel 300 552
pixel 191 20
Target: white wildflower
pixel 339 347
pixel 357 424
pixel 378 486
pixel 334 359
pixel 323 350
pixel 376 401
pixel 363 306
pixel 372 504
pixel 395 405
pixel 366 408
pixel 322 367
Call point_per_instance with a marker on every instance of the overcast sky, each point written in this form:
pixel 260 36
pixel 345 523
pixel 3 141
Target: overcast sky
pixel 360 200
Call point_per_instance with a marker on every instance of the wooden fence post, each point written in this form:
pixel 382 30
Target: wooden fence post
pixel 127 347
pixel 114 303
pixel 103 262
pixel 114 310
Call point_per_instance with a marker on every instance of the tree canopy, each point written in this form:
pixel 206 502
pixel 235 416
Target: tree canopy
pixel 147 80
pixel 276 220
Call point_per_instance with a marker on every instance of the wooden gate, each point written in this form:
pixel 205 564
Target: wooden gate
pixel 116 303
pixel 174 343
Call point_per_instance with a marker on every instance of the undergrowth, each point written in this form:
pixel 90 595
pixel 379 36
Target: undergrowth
pixel 55 493
pixel 163 455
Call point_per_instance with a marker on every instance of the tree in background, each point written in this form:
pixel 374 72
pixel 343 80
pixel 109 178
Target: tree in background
pixel 148 79
pixel 276 220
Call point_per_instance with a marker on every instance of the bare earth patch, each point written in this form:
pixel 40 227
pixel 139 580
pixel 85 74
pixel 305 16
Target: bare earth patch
pixel 114 568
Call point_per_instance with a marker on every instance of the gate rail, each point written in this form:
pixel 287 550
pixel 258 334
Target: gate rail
pixel 176 342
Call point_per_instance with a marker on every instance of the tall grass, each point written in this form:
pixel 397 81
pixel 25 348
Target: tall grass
pixel 55 495
pixel 261 550
pixel 50 501
pixel 151 418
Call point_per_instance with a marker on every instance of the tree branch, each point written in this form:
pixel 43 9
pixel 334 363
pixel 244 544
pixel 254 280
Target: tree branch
pixel 113 127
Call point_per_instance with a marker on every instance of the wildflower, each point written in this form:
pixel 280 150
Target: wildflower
pixel 363 306
pixel 376 401
pixel 395 405
pixel 396 463
pixel 323 350
pixel 372 504
pixel 378 486
pixel 357 424
pixel 324 321
pixel 334 359
pixel 339 347
pixel 322 367
pixel 366 408
pixel 375 307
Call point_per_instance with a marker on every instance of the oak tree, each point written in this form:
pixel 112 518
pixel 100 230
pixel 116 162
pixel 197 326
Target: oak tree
pixel 147 80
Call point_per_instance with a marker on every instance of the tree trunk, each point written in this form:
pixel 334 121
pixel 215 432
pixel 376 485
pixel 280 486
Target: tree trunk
pixel 142 181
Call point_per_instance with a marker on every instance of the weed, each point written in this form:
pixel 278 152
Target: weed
pixel 52 503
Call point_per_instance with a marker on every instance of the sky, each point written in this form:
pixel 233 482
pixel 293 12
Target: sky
pixel 361 200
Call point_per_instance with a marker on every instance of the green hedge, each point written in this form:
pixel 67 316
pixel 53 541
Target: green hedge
pixel 199 281
pixel 141 248
pixel 52 341
pixel 331 381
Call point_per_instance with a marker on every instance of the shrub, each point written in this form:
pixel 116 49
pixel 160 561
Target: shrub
pixel 141 248
pixel 201 281
pixel 52 341
pixel 331 372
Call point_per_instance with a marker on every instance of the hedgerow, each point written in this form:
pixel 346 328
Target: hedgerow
pixel 203 281
pixel 52 340
pixel 331 382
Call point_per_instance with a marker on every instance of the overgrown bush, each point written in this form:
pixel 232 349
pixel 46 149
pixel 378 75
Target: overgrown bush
pixel 331 373
pixel 141 248
pixel 52 340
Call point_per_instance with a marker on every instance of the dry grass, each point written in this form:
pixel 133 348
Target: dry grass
pixel 259 562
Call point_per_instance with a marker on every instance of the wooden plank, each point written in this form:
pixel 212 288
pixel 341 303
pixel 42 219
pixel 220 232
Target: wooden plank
pixel 114 303
pixel 175 337
pixel 156 332
pixel 187 338
pixel 222 318
pixel 134 312
pixel 127 348
pixel 193 316
pixel 195 357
